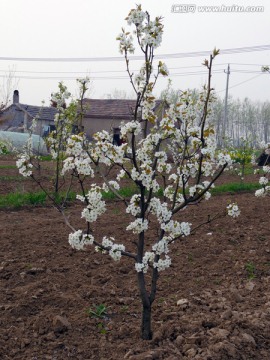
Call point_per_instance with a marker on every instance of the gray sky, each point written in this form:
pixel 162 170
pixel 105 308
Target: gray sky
pixel 88 29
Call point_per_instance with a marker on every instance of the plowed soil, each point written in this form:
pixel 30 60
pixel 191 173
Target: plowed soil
pixel 213 303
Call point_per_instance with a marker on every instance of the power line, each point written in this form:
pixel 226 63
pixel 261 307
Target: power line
pixel 242 82
pixel 120 71
pixel 125 77
pixel 120 58
pixel 244 64
pixel 100 71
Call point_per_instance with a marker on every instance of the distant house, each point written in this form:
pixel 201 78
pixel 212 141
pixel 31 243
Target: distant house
pixel 18 117
pixel 108 114
pixel 100 114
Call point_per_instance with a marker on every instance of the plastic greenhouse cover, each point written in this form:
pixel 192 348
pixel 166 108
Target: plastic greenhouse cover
pixel 19 140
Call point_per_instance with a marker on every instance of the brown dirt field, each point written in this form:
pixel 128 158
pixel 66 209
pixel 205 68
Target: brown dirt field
pixel 46 288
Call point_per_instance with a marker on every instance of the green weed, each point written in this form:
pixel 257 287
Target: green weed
pixel 18 199
pixel 13 178
pixel 8 167
pixel 235 188
pixel 250 268
pixel 99 311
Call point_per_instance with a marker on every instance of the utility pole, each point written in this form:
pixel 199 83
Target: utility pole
pixel 226 103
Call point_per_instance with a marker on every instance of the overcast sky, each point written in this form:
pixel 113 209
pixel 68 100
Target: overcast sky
pixel 88 29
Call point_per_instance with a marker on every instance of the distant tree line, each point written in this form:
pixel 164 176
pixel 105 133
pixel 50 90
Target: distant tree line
pixel 245 119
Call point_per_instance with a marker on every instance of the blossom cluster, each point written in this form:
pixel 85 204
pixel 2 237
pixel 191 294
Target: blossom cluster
pixel 105 151
pixel 233 210
pixel 148 105
pixel 138 226
pixel 163 69
pixel 78 240
pixel 264 181
pixel 114 250
pixel 149 32
pixel 175 228
pixel 95 205
pixel 59 98
pixel 154 257
pixel 77 159
pixel 125 42
pixel 24 165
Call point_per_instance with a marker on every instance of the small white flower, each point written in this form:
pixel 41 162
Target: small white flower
pixel 233 210
pixel 260 193
pixel 78 241
pixel 138 226
pixel 163 264
pixel 263 180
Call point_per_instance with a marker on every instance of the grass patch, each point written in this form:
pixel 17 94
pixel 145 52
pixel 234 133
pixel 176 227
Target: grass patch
pixel 45 157
pixel 125 192
pixel 8 167
pixel 235 187
pixel 13 178
pixel 16 200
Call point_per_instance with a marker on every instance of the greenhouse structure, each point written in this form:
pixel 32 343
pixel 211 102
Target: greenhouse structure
pixel 17 141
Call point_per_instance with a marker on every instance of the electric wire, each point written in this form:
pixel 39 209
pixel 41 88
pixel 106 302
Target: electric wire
pixel 120 58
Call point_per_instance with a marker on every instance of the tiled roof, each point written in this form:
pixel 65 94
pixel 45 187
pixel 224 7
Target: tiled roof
pixel 121 109
pixel 42 112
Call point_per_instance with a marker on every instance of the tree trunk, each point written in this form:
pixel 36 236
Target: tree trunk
pixel 146 323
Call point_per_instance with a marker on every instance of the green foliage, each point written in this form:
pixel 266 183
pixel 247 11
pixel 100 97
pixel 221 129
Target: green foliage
pixel 126 192
pixel 99 311
pixel 101 327
pixel 241 157
pixel 46 158
pixel 16 200
pixel 12 178
pixel 8 167
pixel 235 188
pixel 4 147
pixel 250 268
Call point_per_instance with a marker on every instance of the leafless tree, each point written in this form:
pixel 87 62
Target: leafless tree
pixel 8 84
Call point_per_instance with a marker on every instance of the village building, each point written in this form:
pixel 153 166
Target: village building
pixel 99 114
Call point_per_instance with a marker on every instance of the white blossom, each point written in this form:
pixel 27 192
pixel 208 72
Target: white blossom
pixel 224 159
pixel 96 206
pixel 131 127
pixel 78 240
pixel 262 192
pixel 233 210
pixel 263 180
pixel 266 169
pixel 134 207
pixel 24 165
pixel 163 264
pixel 138 226
pixel 115 250
pixel 161 247
pixel 176 228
